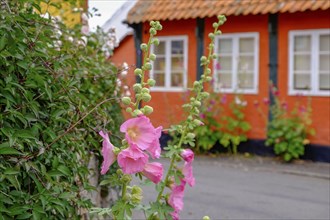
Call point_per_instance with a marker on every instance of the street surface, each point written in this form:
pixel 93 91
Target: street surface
pixel 255 188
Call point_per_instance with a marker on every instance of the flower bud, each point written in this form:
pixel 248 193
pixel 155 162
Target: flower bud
pixel 126 100
pixel 191 135
pixel 145 90
pixel 214 56
pixel 152 23
pixel 116 150
pixel 190 118
pixel 196 84
pixel 215 25
pixel 137 112
pixel 208 78
pixel 136 199
pixel 148 66
pixel 119 172
pixel 148 109
pixel 197 103
pixel 151 82
pixel 203 59
pixel 138 72
pixel 124 142
pixel 155 41
pixel 208 71
pixel 218 32
pixel 205 94
pixel 137 87
pixel 126 178
pixel 152 31
pixel 198 122
pixel 152 57
pixel 144 47
pixel 206 218
pixel 129 110
pixel 146 97
pixel 136 190
pixel 127 197
pixel 211 36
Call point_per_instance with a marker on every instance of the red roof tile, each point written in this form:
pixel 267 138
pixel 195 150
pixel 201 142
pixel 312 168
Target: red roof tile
pixel 147 10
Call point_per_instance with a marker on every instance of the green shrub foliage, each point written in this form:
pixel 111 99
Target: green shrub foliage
pixel 56 90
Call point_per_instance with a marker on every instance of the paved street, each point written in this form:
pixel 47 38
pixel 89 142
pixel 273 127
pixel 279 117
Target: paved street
pixel 256 188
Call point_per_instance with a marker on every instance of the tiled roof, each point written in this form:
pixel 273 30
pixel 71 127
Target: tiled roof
pixel 147 10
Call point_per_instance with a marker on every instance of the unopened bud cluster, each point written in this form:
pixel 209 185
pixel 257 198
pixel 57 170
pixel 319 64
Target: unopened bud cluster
pixel 141 90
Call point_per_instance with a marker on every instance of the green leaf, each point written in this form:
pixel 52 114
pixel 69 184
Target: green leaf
pixel 9 151
pixel 63 169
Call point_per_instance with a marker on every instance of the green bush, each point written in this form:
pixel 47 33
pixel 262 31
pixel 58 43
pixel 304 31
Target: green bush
pixel 56 90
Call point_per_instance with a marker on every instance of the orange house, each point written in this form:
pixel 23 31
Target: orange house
pixel 284 41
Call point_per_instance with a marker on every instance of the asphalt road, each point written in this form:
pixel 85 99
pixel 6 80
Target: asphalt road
pixel 249 189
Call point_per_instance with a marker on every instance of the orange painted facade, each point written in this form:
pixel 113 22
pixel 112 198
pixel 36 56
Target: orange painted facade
pixel 167 105
pixel 320 105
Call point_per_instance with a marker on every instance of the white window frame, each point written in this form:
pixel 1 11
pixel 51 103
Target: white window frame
pixel 315 37
pixel 235 61
pixel 168 87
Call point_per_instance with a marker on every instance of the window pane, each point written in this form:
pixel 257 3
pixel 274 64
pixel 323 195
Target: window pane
pixel 225 79
pixel 325 62
pixel 325 42
pixel 246 63
pixel 160 79
pixel 177 47
pixel 176 80
pixel 324 81
pixel 302 43
pixel 225 46
pixel 302 62
pixel 302 81
pixel 159 64
pixel 177 63
pixel 160 49
pixel 245 81
pixel 246 45
pixel 225 63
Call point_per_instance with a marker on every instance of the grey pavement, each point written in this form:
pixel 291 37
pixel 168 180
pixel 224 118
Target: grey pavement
pixel 259 188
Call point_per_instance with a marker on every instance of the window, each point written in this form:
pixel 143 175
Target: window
pixel 238 63
pixel 170 67
pixel 309 62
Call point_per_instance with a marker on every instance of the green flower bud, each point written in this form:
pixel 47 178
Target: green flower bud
pixel 218 32
pixel 206 218
pixel 222 17
pixel 203 59
pixel 155 41
pixel 126 100
pixel 205 94
pixel 152 57
pixel 214 56
pixel 145 90
pixel 192 99
pixel 136 199
pixel 136 190
pixel 126 178
pixel 116 150
pixel 198 122
pixel 124 142
pixel 148 66
pixel 208 71
pixel 211 46
pixel 119 172
pixel 151 82
pixel 152 31
pixel 144 47
pixel 208 78
pixel 137 112
pixel 159 27
pixel 197 103
pixel 138 72
pixel 129 109
pixel 197 84
pixel 146 97
pixel 211 36
pixel 215 25
pixel 190 118
pixel 152 23
pixel 191 135
pixel 137 87
pixel 148 109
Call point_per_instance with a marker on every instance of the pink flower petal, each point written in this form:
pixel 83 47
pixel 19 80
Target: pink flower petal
pixel 187 155
pixel 176 197
pixel 155 149
pixel 153 171
pixel 188 173
pixel 139 131
pixel 132 160
pixel 107 152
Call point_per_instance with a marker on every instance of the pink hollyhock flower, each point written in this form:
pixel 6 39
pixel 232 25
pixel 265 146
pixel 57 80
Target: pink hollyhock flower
pixel 202 116
pixel 153 171
pixel 175 215
pixel 188 173
pixel 154 148
pixel 266 101
pixel 218 66
pixel 176 198
pixel 140 131
pixel 256 103
pixel 187 155
pixel 132 160
pixel 107 152
pixel 285 106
